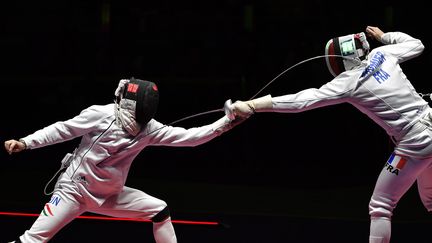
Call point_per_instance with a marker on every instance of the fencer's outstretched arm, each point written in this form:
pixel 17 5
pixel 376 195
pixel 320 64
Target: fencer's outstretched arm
pixel 335 92
pixel 57 132
pixel 331 93
pixel 161 135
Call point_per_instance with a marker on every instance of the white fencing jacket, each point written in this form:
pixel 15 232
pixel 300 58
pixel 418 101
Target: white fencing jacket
pixel 378 88
pixel 102 160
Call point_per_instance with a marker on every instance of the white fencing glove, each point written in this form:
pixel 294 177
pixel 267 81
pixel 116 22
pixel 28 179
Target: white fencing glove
pixel 247 108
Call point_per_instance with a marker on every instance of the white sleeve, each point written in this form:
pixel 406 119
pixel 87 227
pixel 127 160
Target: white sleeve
pixel 181 137
pixel 65 130
pixel 334 92
pixel 401 45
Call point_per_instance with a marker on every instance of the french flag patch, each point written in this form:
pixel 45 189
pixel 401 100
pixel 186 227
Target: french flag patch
pixel 397 161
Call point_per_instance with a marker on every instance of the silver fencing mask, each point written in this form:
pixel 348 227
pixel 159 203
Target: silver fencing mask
pixel 346 52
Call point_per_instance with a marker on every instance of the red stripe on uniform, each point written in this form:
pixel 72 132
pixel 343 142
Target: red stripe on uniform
pixel 49 209
pixel 401 163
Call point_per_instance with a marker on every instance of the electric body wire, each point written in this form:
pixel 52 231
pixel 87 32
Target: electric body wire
pixel 259 91
pixel 297 64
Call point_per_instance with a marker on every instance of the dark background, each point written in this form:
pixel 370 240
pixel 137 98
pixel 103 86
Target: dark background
pixel 61 57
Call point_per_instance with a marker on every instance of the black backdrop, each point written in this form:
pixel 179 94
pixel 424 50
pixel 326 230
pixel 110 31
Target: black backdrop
pixel 60 57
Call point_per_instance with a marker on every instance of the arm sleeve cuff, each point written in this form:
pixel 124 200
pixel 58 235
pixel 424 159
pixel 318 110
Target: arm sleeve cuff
pixel 24 142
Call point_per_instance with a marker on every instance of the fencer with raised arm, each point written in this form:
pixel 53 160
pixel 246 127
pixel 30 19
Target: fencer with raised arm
pixel 374 83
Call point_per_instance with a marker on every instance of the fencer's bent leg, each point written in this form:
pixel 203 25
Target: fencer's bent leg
pixel 164 231
pixel 397 176
pixel 132 203
pixel 62 208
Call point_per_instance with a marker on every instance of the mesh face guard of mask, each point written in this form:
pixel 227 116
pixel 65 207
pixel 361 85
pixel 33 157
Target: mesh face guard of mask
pixel 346 52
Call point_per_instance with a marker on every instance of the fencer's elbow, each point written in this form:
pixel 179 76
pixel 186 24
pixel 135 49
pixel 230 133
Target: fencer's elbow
pixel 420 46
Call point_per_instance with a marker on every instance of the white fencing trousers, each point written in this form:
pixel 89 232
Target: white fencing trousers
pixel 67 203
pixel 397 176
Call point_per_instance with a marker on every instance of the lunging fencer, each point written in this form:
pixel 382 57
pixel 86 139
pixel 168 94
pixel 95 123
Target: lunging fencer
pixel 374 83
pixel 95 173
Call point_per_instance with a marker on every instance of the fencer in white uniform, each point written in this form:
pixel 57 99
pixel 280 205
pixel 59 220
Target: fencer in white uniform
pixel 112 136
pixel 373 82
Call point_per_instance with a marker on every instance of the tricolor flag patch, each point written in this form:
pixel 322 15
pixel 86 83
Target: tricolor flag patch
pixel 395 164
pixel 397 161
pixel 47 210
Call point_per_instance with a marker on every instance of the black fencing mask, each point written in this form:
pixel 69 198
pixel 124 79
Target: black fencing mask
pixel 146 96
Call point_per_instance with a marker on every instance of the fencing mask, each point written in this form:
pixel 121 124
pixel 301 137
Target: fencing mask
pixel 138 101
pixel 146 96
pixel 353 48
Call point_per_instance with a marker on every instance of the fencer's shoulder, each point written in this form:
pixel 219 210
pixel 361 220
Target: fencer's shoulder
pixel 152 125
pixel 153 122
pixel 378 53
pixel 349 75
pixel 152 128
pixel 101 110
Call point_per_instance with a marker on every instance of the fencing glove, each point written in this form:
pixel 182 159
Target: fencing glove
pixel 245 109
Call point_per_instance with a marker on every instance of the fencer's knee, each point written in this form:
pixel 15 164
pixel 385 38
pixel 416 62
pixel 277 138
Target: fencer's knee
pixel 381 207
pixel 161 215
